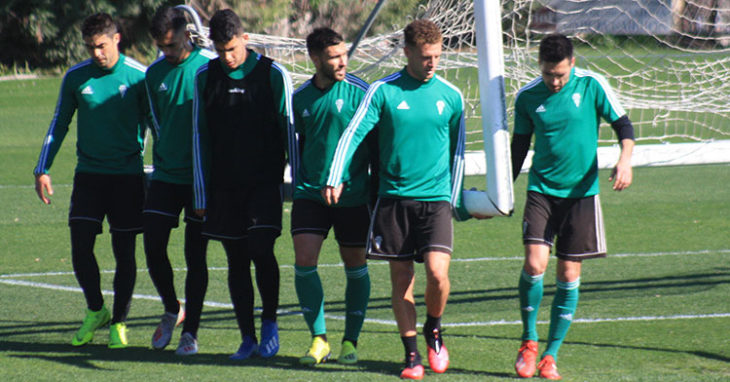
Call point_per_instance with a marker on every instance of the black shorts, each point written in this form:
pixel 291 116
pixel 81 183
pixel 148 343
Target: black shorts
pixel 167 200
pixel 350 223
pixel 577 223
pixel 403 229
pixel 232 214
pixel 118 197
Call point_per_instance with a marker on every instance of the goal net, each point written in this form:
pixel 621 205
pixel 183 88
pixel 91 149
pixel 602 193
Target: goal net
pixel 667 60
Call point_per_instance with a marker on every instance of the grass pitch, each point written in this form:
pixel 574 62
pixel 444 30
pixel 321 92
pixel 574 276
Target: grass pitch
pixel 656 309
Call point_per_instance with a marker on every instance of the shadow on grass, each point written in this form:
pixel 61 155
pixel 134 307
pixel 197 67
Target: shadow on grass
pixel 543 344
pixel 645 286
pixel 90 356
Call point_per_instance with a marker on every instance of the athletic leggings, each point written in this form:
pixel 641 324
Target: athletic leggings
pixel 156 239
pixel 259 248
pixel 86 269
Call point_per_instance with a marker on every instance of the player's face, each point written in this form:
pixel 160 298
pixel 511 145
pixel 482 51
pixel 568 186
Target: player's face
pixel 556 75
pixel 103 49
pixel 233 53
pixel 174 45
pixel 422 60
pixel 331 63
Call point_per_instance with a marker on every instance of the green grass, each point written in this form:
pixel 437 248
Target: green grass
pixel 667 237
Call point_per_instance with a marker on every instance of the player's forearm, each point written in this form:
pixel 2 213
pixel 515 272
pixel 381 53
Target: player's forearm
pixel 519 148
pixel 627 150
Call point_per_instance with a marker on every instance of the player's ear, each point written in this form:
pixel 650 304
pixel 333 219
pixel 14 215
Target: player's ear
pixel 572 61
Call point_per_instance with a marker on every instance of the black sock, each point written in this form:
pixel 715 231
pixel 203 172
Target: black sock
pixel 411 346
pixel 431 324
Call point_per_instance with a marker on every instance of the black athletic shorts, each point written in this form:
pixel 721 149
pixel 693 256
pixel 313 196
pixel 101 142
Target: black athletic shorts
pixel 168 200
pixel 118 197
pixel 402 229
pixel 577 223
pixel 350 223
pixel 232 214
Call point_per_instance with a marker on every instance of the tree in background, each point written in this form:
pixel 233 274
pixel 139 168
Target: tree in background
pixel 45 34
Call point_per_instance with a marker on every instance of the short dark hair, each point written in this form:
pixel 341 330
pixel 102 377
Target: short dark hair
pixel 422 32
pixel 165 19
pixel 555 48
pixel 322 38
pixel 98 23
pixel 224 26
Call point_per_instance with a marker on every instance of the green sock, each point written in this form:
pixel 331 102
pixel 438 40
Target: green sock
pixel 561 315
pixel 311 298
pixel 357 296
pixel 530 290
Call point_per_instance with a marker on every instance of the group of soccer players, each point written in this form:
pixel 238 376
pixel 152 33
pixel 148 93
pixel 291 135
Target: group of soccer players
pixel 381 164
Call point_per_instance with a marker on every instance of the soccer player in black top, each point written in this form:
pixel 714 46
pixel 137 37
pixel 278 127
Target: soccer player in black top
pixel 242 123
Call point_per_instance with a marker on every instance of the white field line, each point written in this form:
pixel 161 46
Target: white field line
pixel 379 321
pixel 373 263
pixel 10 280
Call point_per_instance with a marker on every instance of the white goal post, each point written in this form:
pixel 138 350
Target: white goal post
pixel 667 60
pixel 498 199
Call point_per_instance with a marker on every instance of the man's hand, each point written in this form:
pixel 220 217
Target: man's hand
pixel 43 186
pixel 200 212
pixel 621 176
pixel 331 195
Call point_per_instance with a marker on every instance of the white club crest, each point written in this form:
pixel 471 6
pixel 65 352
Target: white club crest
pixel 339 104
pixel 122 90
pixel 440 105
pixel 576 99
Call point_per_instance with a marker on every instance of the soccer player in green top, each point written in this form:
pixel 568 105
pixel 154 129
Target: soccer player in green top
pixel 170 83
pixel 323 106
pixel 108 92
pixel 242 125
pixel 562 109
pixel 420 119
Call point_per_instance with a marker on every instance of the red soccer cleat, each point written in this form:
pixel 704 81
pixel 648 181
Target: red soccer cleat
pixel 526 357
pixel 414 369
pixel 438 356
pixel 548 368
pixel 415 372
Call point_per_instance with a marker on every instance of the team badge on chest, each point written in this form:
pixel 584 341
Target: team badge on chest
pixel 440 106
pixel 576 99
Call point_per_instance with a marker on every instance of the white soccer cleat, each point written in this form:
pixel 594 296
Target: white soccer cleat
pixel 163 333
pixel 188 345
